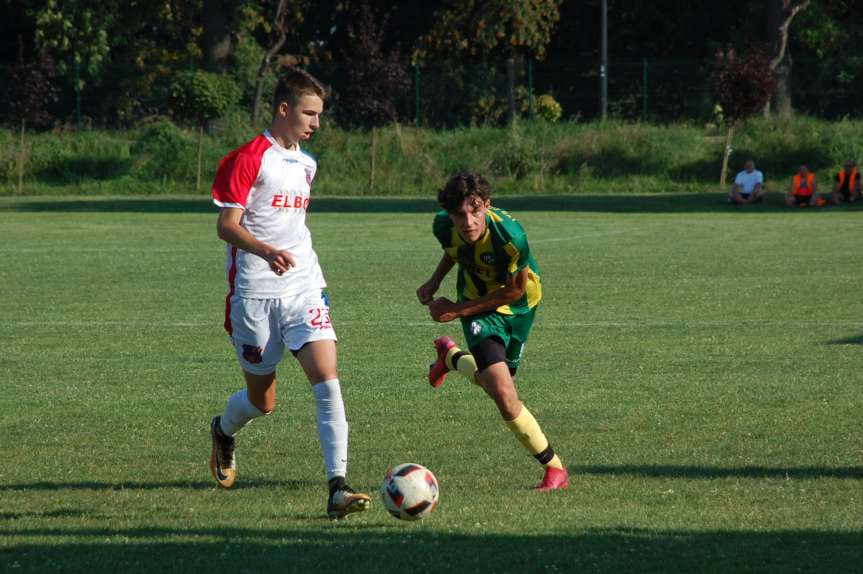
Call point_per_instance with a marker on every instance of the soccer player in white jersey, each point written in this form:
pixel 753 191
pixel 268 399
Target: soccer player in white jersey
pixel 275 299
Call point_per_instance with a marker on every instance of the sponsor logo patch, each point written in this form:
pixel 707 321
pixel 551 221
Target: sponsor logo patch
pixel 487 258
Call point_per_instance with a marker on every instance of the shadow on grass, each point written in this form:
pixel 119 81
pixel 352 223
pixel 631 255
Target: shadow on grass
pixel 59 513
pixel 181 484
pixel 77 169
pixel 778 166
pixel 852 340
pixel 656 203
pixel 708 472
pixel 400 547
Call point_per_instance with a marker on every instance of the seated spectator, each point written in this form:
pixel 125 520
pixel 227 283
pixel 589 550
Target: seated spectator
pixel 847 188
pixel 804 189
pixel 748 185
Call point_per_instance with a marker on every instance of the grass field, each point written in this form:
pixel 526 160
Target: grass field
pixel 698 368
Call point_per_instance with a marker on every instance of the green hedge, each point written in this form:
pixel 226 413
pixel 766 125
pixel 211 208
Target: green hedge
pixel 535 157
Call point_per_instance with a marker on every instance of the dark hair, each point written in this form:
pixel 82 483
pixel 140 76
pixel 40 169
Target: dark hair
pixel 295 84
pixel 462 186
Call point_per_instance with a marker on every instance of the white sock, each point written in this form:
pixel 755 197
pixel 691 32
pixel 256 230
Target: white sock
pixel 238 413
pixel 332 427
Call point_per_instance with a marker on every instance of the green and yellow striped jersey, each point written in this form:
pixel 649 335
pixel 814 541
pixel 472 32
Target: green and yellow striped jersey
pixel 484 265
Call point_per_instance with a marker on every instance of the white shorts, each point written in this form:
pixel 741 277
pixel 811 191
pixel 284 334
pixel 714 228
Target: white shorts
pixel 261 329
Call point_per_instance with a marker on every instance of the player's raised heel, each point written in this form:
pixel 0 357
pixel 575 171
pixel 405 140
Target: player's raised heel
pixel 345 500
pixel 223 465
pixel 438 370
pixel 554 479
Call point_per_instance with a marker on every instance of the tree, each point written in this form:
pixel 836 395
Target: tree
pixel 374 76
pixel 75 34
pixel 28 94
pixel 216 37
pixel 745 85
pixel 780 13
pixel 484 28
pixel 200 97
pixel 30 91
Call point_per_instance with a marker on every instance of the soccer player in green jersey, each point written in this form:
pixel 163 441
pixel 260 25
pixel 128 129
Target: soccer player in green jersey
pixel 499 290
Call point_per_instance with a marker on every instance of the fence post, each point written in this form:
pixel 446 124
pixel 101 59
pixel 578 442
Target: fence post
pixel 417 95
pixel 372 159
pixel 644 90
pixel 530 88
pixel 77 94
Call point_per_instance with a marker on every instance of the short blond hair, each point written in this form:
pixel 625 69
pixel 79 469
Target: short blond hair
pixel 295 84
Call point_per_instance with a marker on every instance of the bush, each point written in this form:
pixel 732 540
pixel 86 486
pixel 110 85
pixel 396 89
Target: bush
pixel 548 108
pixel 198 97
pixel 162 150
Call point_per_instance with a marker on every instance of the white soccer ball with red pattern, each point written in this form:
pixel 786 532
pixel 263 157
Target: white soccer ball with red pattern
pixel 410 491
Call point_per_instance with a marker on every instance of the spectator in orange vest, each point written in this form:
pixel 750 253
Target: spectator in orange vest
pixel 748 185
pixel 847 188
pixel 804 190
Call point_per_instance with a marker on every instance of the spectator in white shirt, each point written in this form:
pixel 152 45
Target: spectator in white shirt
pixel 748 185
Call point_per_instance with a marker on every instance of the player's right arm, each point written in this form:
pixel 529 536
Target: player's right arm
pixel 426 291
pixel 229 229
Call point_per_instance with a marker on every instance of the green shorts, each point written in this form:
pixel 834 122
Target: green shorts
pixel 511 330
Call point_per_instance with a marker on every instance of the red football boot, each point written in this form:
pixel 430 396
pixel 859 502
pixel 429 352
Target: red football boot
pixel 555 478
pixel 438 370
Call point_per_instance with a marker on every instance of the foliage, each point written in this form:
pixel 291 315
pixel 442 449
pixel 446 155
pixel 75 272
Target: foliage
pixel 30 91
pixel 491 110
pixel 162 150
pixel 198 96
pixel 484 27
pixel 745 85
pixel 552 158
pixel 75 33
pixel 374 77
pixel 548 108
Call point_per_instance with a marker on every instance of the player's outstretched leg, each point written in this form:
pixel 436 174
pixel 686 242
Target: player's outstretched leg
pixel 223 465
pixel 345 500
pixel 450 358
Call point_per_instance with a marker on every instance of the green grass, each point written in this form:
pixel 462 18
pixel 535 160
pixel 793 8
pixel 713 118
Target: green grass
pixel 536 158
pixel 697 367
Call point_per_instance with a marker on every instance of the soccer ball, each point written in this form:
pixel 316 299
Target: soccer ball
pixel 410 491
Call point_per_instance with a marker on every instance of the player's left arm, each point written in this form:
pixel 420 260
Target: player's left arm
pixel 444 310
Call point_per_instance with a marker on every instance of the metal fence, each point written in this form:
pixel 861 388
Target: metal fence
pixel 652 90
pixel 446 94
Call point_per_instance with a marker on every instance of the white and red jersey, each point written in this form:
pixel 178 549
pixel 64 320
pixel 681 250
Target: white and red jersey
pixel 272 185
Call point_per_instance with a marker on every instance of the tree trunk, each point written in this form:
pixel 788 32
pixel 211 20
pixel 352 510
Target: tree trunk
pixel 200 153
pixel 216 39
pixel 781 100
pixel 278 24
pixel 726 156
pixel 780 13
pixel 510 84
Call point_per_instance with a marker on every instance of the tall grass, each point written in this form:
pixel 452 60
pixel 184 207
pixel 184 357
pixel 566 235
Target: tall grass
pixel 533 157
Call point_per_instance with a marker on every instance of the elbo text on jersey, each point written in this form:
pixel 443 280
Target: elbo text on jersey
pixel 291 202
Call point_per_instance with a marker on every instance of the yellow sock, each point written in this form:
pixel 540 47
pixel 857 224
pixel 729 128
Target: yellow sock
pixel 527 431
pixel 463 362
